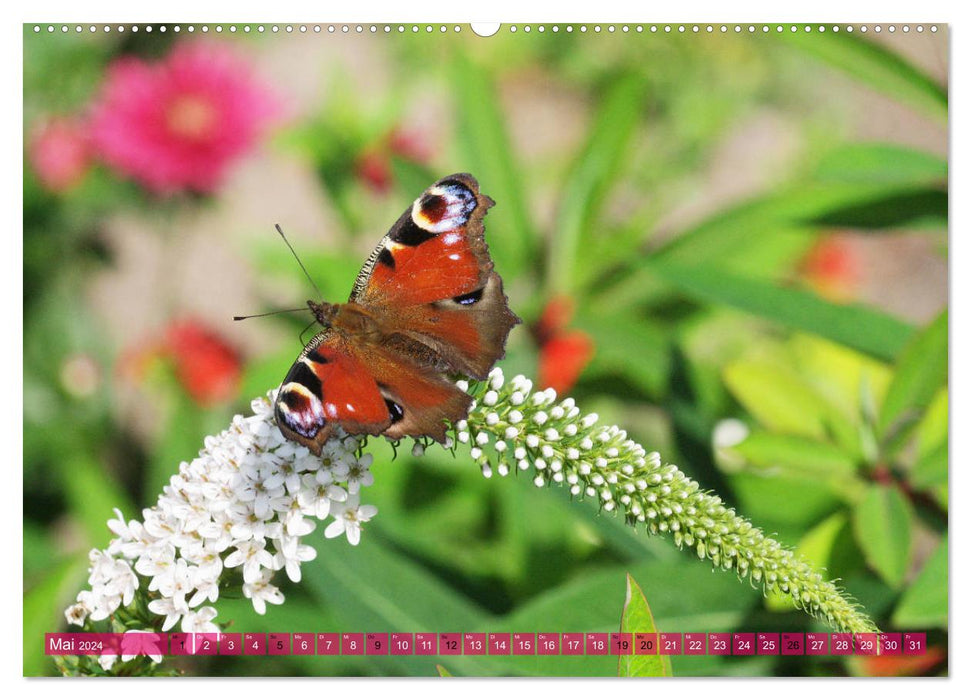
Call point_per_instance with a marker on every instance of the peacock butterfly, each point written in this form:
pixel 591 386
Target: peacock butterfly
pixel 426 304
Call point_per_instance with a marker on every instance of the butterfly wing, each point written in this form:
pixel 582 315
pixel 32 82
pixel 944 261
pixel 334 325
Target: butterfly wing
pixel 421 400
pixel 432 282
pixel 329 385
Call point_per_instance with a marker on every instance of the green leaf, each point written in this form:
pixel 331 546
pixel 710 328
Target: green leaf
pixel 614 335
pixel 923 208
pixel 802 457
pixel 637 617
pixel 933 427
pixel 731 237
pixel 598 168
pixel 920 372
pixel 488 154
pixel 881 163
pixel 777 397
pixel 925 603
pixel 442 671
pixel 882 524
pixel 373 588
pixel 930 471
pixel 93 494
pixel 873 65
pixel 858 327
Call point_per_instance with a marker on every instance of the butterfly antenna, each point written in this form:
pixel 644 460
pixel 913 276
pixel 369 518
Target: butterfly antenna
pixel 299 262
pixel 269 313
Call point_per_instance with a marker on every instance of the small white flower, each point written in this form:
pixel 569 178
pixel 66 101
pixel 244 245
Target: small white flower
pixel 359 474
pixel 200 621
pixel 291 554
pixel 76 614
pixel 262 592
pixel 168 607
pixel 348 517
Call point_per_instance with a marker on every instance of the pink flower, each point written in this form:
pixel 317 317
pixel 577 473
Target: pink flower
pixel 59 153
pixel 180 123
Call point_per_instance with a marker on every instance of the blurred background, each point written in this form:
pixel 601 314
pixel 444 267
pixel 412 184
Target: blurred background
pixel 733 246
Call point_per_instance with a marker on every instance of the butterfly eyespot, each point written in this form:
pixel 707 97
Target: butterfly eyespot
pixel 396 412
pixel 470 298
pixel 433 206
pixel 444 207
pixel 299 410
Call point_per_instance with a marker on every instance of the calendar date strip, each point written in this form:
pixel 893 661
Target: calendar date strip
pixel 491 644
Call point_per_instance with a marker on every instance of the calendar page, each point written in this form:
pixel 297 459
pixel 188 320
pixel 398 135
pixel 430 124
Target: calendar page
pixel 550 350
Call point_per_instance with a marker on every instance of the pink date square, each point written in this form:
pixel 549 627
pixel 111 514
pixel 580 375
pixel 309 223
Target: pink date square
pixel 328 643
pixel 694 643
pixel 352 643
pixel 303 643
pixel 376 644
pixel 841 643
pixel 866 643
pixel 621 643
pixel 743 643
pixel 181 646
pixel 767 643
pixel 548 643
pixel 450 644
pixel 573 643
pixel 254 644
pixel 598 643
pixel 719 643
pixel 230 644
pixel 817 643
pixel 474 643
pixel 645 643
pixel 402 644
pixel 891 643
pixel 523 643
pixel 279 644
pixel 793 644
pixel 915 643
pixel 426 643
pixel 204 643
pixel 500 643
pixel 669 643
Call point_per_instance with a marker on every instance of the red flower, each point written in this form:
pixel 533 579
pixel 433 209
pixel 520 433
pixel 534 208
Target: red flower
pixel 563 353
pixel 374 169
pixel 832 268
pixel 180 123
pixel 59 153
pixel 373 165
pixel 206 365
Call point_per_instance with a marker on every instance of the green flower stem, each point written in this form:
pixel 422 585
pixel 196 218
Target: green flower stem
pixel 530 430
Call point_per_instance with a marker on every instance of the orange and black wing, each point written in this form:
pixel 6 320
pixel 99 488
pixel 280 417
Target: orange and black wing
pixel 431 279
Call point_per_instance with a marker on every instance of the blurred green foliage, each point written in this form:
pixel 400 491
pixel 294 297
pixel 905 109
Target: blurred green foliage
pixel 845 406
